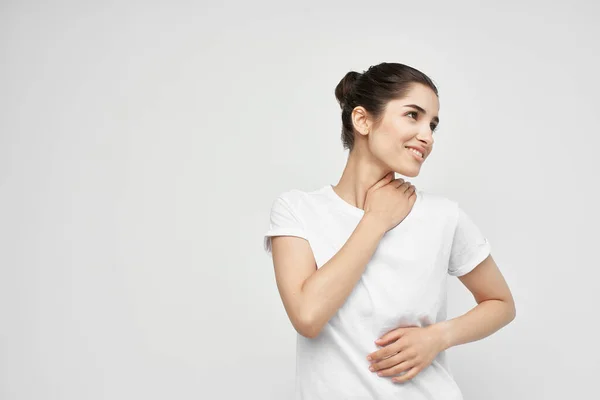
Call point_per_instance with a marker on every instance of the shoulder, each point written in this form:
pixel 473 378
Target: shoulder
pixel 297 198
pixel 292 196
pixel 437 204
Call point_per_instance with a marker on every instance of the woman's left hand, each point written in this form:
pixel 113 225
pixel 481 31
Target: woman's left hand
pixel 409 349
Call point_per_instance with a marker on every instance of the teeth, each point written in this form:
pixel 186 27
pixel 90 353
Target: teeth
pixel 416 152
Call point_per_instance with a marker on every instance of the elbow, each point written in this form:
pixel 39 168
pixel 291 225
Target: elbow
pixel 309 332
pixel 308 327
pixel 512 310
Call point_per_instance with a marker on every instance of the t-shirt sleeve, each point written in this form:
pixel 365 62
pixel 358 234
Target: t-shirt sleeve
pixel 469 246
pixel 283 222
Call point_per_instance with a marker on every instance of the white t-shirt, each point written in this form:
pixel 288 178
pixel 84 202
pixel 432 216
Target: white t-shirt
pixel 403 284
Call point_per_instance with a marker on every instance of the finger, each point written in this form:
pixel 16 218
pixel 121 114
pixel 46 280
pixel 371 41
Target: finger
pixel 397 182
pixel 383 353
pixel 405 186
pixel 398 368
pixel 388 337
pixel 409 375
pixel 389 362
pixel 389 350
pixel 410 189
pixel 383 181
pixel 401 182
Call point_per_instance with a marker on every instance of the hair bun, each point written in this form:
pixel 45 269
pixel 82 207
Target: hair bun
pixel 345 88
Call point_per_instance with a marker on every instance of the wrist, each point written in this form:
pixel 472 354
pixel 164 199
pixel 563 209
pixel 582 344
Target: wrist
pixel 373 223
pixel 441 332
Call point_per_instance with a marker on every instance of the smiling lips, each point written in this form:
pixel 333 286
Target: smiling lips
pixel 418 154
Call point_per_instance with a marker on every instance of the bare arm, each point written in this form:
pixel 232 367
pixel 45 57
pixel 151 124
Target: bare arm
pixel 495 307
pixel 312 296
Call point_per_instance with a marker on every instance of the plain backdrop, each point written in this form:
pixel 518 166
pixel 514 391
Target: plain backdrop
pixel 143 143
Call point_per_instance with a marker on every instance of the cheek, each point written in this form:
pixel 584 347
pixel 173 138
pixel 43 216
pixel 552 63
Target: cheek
pixel 380 144
pixel 387 147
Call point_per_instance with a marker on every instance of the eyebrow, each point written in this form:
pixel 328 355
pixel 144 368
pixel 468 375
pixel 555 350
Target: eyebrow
pixel 436 119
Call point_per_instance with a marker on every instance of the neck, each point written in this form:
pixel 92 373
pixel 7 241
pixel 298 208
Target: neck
pixel 362 171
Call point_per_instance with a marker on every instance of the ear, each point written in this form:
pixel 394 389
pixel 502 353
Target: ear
pixel 360 118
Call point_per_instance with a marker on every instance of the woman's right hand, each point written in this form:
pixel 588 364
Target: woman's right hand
pixel 389 201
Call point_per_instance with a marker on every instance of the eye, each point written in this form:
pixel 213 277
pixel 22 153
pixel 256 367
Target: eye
pixel 432 126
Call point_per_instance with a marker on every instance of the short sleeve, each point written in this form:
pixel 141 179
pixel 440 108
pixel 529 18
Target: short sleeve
pixel 283 222
pixel 469 246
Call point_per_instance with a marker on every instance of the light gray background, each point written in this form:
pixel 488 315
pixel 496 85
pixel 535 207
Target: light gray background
pixel 142 144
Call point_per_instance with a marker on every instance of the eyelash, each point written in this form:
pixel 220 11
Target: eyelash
pixel 433 127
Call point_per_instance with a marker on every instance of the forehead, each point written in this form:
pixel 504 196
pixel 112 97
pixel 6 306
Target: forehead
pixel 420 95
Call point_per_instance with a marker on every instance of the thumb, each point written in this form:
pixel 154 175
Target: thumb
pixel 390 336
pixel 383 181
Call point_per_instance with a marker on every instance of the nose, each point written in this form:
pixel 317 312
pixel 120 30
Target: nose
pixel 426 135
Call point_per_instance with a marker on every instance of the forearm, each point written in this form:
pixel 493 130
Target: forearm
pixel 481 321
pixel 328 288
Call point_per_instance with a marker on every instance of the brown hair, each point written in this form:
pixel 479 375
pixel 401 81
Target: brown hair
pixel 373 89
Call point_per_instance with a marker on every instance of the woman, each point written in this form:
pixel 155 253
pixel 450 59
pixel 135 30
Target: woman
pixel 362 266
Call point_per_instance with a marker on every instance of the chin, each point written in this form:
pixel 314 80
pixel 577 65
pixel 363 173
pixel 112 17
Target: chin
pixel 408 172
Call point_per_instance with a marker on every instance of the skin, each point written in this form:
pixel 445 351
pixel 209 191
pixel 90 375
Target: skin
pixel 378 149
pixel 410 350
